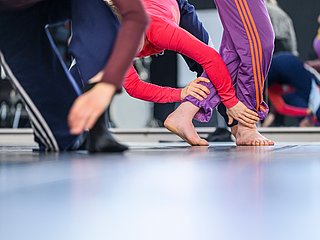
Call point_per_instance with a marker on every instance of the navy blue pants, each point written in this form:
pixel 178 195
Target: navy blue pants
pixel 287 69
pixel 190 22
pixel 31 61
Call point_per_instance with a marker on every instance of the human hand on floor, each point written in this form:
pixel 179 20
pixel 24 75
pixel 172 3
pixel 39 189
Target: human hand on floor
pixel 243 115
pixel 89 106
pixel 195 89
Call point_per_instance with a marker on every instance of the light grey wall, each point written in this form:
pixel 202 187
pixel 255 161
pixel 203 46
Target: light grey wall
pixel 128 112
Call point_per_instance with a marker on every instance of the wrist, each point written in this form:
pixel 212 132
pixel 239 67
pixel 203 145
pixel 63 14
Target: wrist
pixel 182 94
pixel 231 102
pixel 105 88
pixel 176 94
pixel 96 78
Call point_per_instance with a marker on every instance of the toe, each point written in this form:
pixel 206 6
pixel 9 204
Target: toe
pixel 203 143
pixel 271 143
pixel 264 143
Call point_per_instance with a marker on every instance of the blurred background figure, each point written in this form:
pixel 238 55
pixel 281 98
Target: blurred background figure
pixel 315 63
pixel 294 92
pixel 293 87
pixel 285 36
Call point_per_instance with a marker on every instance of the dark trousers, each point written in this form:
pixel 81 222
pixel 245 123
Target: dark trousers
pixel 35 68
pixel 287 69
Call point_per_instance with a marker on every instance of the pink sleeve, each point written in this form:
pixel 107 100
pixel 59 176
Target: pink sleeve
pixel 137 88
pixel 170 36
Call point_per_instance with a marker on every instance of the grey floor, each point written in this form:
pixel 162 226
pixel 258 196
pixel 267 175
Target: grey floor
pixel 162 191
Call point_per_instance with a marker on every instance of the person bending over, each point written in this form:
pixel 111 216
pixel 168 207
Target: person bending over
pixel 164 33
pixel 31 61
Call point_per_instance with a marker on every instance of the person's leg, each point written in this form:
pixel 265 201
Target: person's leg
pixel 232 60
pixel 250 30
pixel 287 69
pixel 190 22
pixel 36 71
pixel 295 99
pixel 180 122
pixel 92 37
pixel 91 46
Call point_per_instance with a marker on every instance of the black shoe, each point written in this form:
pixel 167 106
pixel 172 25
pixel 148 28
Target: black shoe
pixel 100 139
pixel 219 135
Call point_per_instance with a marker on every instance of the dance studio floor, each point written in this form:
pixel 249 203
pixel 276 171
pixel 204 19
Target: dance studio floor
pixel 162 191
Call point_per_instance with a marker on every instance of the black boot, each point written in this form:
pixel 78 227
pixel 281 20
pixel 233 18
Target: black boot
pixel 100 139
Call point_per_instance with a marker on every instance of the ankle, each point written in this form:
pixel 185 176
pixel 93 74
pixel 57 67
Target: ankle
pixel 242 127
pixel 187 110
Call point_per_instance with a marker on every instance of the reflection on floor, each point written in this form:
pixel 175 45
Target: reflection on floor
pixel 162 191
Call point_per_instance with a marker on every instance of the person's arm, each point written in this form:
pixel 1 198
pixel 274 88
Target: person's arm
pixel 89 106
pixel 133 23
pixel 184 43
pixel 149 92
pixel 137 88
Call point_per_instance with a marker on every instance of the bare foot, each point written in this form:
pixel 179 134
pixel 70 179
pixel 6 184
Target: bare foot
pixel 250 137
pixel 180 123
pixel 234 130
pixel 184 129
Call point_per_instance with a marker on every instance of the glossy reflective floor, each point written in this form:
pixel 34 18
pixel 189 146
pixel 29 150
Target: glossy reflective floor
pixel 162 191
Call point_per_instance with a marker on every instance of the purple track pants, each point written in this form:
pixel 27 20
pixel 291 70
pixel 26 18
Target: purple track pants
pixel 246 48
